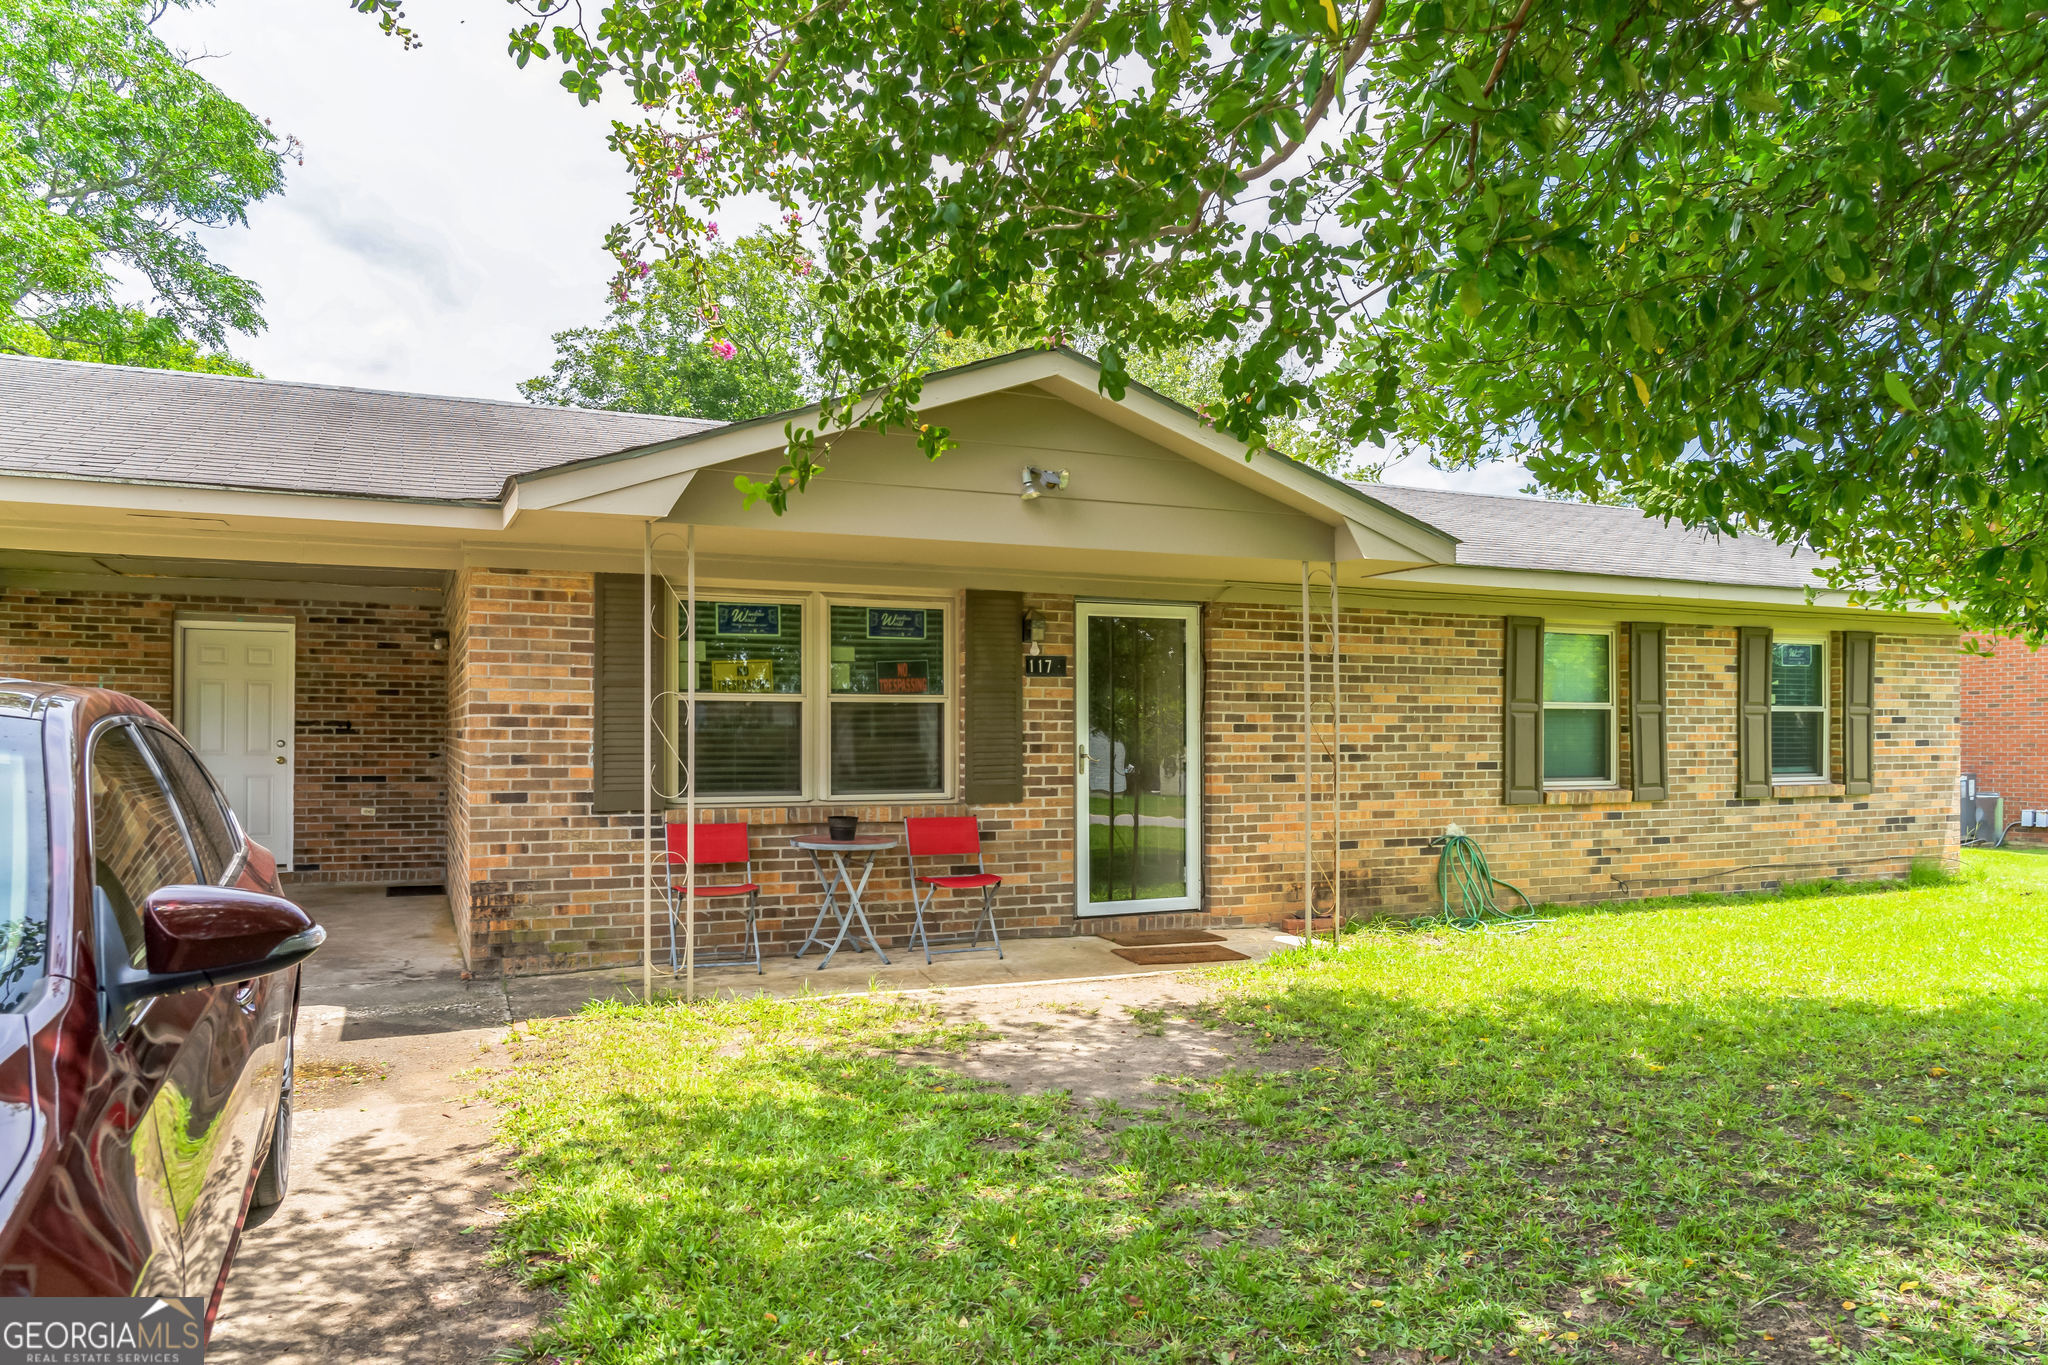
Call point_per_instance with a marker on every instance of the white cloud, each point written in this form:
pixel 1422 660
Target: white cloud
pixel 1415 471
pixel 452 208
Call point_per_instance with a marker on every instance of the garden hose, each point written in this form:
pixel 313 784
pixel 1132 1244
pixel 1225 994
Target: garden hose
pixel 1461 869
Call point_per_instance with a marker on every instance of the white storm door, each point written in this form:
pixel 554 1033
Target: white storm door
pixel 235 709
pixel 1138 694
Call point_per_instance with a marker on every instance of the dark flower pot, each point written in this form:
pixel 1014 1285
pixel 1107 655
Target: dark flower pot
pixel 843 827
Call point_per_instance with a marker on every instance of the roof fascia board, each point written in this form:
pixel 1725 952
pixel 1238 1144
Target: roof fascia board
pixel 1545 583
pixel 648 498
pixel 1375 596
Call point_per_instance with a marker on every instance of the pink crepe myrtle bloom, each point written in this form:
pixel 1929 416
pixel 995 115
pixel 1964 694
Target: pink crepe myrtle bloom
pixel 723 349
pixel 711 229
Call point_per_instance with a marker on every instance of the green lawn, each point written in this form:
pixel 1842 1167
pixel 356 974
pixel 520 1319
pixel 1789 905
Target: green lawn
pixel 1807 1127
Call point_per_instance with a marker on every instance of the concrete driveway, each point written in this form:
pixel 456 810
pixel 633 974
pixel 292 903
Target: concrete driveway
pixel 379 1254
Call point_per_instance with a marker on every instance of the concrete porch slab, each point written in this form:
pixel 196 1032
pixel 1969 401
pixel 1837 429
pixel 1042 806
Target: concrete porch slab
pixel 1025 961
pixel 390 968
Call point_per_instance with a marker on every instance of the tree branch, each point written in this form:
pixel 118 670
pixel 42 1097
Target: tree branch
pixel 1368 25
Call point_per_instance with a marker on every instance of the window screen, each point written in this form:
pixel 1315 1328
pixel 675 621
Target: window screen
pixel 1578 706
pixel 1799 682
pixel 888 651
pixel 749 652
pixel 895 743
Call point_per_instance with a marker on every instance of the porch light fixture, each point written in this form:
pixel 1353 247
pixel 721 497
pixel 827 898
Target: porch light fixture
pixel 1038 482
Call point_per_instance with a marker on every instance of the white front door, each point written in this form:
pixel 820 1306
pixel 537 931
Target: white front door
pixel 235 709
pixel 1138 692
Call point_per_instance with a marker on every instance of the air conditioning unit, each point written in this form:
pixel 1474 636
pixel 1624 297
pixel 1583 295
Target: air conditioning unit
pixel 1986 818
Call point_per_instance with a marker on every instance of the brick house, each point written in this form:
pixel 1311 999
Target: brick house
pixel 409 634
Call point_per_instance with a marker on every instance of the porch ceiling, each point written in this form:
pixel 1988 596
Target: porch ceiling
pixel 57 571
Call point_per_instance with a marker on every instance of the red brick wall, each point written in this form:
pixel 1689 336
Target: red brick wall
pixel 369 712
pixel 1421 739
pixel 2005 723
pixel 547 883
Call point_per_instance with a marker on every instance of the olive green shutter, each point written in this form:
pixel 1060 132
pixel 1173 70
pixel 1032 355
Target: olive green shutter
pixel 1646 711
pixel 1522 725
pixel 616 749
pixel 994 698
pixel 1859 692
pixel 1753 712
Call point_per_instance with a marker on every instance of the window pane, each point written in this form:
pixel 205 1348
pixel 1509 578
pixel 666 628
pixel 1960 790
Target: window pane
pixel 750 748
pixel 24 858
pixel 1795 743
pixel 750 647
pixel 1575 666
pixel 137 846
pixel 215 838
pixel 885 747
pixel 889 651
pixel 1798 675
pixel 1575 745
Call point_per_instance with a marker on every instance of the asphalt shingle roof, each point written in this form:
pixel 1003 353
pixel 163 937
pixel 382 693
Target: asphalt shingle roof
pixel 165 426
pixel 1499 532
pixel 77 420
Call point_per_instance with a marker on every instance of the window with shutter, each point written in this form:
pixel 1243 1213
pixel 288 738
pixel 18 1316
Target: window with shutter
pixel 1578 707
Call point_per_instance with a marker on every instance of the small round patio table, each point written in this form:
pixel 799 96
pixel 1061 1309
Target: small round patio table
pixel 841 880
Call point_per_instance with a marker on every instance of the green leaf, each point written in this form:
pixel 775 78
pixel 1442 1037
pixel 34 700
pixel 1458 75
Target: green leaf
pixel 1901 392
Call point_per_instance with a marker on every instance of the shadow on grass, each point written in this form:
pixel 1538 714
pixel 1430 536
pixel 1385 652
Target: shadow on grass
pixel 1552 1171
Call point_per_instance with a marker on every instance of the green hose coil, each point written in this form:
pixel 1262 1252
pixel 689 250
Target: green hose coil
pixel 1462 875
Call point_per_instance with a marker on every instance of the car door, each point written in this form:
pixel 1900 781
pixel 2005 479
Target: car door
pixel 121 1188
pixel 241 1068
pixel 189 1052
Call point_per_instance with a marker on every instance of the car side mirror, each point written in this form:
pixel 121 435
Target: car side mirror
pixel 199 936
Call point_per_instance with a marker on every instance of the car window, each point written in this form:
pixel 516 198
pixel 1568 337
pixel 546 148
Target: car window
pixel 206 820
pixel 24 860
pixel 136 843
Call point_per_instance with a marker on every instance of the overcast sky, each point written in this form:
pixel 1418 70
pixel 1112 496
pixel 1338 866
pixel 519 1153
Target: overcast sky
pixel 451 212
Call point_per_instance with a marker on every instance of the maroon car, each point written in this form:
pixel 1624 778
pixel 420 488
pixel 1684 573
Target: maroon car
pixel 148 987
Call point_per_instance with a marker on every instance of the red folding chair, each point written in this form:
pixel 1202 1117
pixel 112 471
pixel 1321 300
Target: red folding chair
pixel 954 838
pixel 717 846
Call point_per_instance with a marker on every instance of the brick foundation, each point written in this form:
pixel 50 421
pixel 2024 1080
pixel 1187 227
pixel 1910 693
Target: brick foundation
pixel 369 713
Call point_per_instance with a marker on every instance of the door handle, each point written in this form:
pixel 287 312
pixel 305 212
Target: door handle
pixel 280 759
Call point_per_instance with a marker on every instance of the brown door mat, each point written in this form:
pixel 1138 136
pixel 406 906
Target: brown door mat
pixel 1181 952
pixel 1152 938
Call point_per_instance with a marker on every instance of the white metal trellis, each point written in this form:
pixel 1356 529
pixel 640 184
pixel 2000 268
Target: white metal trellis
pixel 1308 756
pixel 654 802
